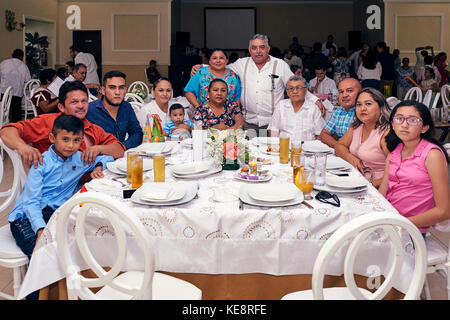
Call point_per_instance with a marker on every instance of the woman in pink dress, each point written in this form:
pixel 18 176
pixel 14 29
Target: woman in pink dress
pixel 415 181
pixel 363 145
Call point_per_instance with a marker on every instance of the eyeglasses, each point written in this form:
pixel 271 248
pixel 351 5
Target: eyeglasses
pixel 326 197
pixel 412 121
pixel 295 88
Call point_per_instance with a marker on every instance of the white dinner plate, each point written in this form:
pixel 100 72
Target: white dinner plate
pixel 112 166
pixel 103 185
pixel 316 146
pixel 273 192
pixel 121 164
pixel 334 163
pixel 190 187
pixel 264 141
pixel 263 178
pixel 155 148
pixel 161 192
pixel 211 170
pixel 190 168
pixel 347 182
pixel 243 195
pixel 331 189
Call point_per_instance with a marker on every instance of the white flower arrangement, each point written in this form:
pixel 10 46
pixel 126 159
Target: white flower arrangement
pixel 140 91
pixel 215 145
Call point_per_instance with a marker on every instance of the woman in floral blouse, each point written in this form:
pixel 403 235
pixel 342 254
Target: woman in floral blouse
pixel 196 90
pixel 218 112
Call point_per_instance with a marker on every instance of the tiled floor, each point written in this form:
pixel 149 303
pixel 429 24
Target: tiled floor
pixel 436 281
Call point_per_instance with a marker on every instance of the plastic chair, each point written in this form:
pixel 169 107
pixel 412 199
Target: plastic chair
pixel 143 85
pixel 427 98
pixel 91 97
pixel 136 106
pixel 445 95
pixel 130 97
pixel 28 91
pixel 10 254
pixel 435 101
pixel 129 285
pixel 414 91
pixel 438 257
pixel 358 230
pixel 4 105
pixel 392 102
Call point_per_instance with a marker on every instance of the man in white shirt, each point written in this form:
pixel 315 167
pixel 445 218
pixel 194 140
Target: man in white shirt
pixel 297 116
pixel 321 84
pixel 14 73
pixel 79 72
pixel 292 59
pixel 89 61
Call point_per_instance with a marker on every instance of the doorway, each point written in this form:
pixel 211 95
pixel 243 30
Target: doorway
pixel 90 41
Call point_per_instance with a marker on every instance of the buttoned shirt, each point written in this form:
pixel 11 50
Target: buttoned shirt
pixel 51 184
pixel 125 122
pixel 91 67
pixel 257 85
pixel 340 121
pixel 325 87
pixel 14 73
pixel 304 125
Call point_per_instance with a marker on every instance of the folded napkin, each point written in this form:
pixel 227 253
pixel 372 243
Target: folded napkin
pixel 103 184
pixel 161 193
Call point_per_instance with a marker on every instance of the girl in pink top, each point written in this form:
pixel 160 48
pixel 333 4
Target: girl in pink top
pixel 363 145
pixel 416 176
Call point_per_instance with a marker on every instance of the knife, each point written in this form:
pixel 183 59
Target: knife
pixel 307 204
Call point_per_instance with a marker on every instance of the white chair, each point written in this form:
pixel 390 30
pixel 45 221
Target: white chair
pixel 28 91
pixel 136 106
pixel 5 104
pixel 136 84
pixel 91 97
pixel 435 101
pixel 137 284
pixel 358 230
pixel 392 102
pixel 10 254
pixel 438 257
pixel 130 97
pixel 445 95
pixel 413 94
pixel 427 98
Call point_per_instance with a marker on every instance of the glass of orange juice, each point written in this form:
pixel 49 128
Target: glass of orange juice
pixel 305 181
pixel 136 172
pixel 296 150
pixel 159 168
pixel 130 156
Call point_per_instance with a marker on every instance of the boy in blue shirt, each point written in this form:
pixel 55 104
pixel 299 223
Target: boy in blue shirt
pixel 177 128
pixel 51 184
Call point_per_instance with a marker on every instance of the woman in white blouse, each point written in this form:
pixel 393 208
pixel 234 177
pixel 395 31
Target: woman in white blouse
pixel 369 72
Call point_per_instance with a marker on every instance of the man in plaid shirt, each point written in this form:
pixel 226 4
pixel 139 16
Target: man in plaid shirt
pixel 343 116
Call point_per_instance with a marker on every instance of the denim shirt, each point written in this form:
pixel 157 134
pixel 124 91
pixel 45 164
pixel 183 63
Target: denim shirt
pixel 126 122
pixel 51 184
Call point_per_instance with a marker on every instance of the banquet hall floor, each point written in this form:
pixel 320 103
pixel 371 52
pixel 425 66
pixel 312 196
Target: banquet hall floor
pixel 436 281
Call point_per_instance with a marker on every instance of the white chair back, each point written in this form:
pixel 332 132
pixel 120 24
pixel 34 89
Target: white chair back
pixel 136 106
pixel 143 86
pixel 435 101
pixel 123 221
pixel 359 229
pixel 427 98
pixel 445 95
pixel 28 91
pixel 133 97
pixel 392 102
pixel 414 94
pixel 5 104
pixel 91 97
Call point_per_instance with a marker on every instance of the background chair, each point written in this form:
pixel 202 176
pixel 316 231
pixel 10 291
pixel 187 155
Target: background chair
pixel 445 95
pixel 139 86
pixel 130 97
pixel 28 91
pixel 357 230
pixel 392 102
pixel 136 106
pixel 10 254
pixel 5 104
pixel 91 97
pixel 427 98
pixel 414 94
pixel 129 285
pixel 435 101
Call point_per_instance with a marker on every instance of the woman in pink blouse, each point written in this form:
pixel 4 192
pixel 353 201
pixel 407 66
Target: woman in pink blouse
pixel 416 175
pixel 363 145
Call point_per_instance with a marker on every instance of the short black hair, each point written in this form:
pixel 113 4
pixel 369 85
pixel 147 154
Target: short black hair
pixel 70 63
pixel 428 59
pixel 175 106
pixel 78 66
pixel 320 66
pixel 18 54
pixel 217 80
pixel 75 48
pixel 61 72
pixel 113 74
pixel 69 123
pixel 46 75
pixel 69 86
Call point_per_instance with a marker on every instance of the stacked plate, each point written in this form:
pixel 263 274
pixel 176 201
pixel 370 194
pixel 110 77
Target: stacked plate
pixel 194 169
pixel 334 163
pixel 187 143
pixel 344 184
pixel 264 141
pixel 155 148
pixel 316 146
pixel 165 194
pixel 270 195
pixel 120 166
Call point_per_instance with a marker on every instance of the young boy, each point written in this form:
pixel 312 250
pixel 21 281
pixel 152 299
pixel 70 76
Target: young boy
pixel 51 184
pixel 177 128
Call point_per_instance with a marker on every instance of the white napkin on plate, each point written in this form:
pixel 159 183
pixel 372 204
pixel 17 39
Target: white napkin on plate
pixel 103 184
pixel 161 193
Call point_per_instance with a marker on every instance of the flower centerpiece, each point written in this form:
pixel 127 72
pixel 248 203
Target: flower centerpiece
pixel 228 148
pixel 139 90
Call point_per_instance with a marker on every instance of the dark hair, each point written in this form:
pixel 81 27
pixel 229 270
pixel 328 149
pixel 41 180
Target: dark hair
pixel 152 61
pixel 428 60
pixel 46 76
pixel 233 57
pixel 210 52
pixel 159 80
pixel 317 46
pixel 370 60
pixel 376 95
pixel 69 86
pixel 217 80
pixel 431 71
pixel 295 67
pixel 61 73
pixel 70 64
pixel 392 140
pixel 18 54
pixel 320 66
pixel 113 74
pixel 175 106
pixel 75 48
pixel 78 66
pixel 405 58
pixel 69 123
pixel 382 45
pixel 341 52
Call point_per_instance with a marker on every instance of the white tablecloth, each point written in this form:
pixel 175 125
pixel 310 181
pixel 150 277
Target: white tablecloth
pixel 204 236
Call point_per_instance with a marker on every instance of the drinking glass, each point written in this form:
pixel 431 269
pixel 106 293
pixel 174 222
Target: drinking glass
pixel 306 179
pixel 136 172
pixel 284 147
pixel 296 150
pixel 321 168
pixel 130 156
pixel 444 115
pixel 159 168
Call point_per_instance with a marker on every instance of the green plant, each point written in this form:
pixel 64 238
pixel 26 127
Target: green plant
pixel 34 42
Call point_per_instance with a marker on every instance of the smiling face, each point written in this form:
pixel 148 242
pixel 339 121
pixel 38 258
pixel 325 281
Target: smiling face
pixel 259 51
pixel 66 143
pixel 218 92
pixel 76 104
pixel 162 92
pixel 348 91
pixel 218 61
pixel 367 109
pixel 407 132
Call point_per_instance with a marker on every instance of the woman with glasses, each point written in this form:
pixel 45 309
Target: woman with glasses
pixel 363 145
pixel 297 116
pixel 416 174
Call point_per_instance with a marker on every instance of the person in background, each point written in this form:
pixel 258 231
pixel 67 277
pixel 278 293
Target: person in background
pixel 62 73
pixel 363 145
pixel 369 71
pixel 403 84
pixel 321 84
pixel 43 99
pixel 341 66
pixel 429 83
pixel 315 58
pixel 204 55
pixel 296 46
pixel 14 72
pixel 387 66
pixel 152 72
pixel 173 129
pixel 327 44
pixel 397 61
pixel 291 58
pixel 79 72
pixel 331 59
pixel 441 64
pixel 428 62
pixel 115 115
pixel 297 70
pixel 91 81
pixel 415 178
pixel 69 66
pixel 421 53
